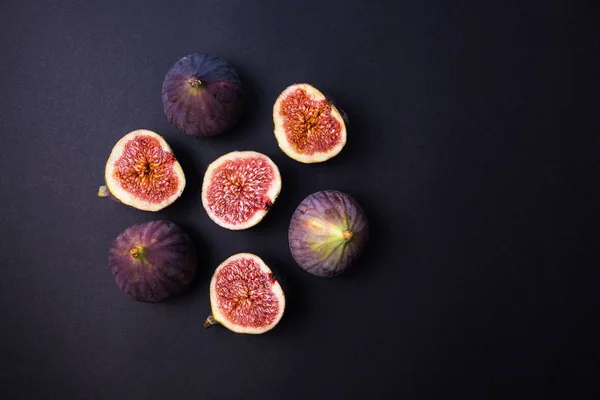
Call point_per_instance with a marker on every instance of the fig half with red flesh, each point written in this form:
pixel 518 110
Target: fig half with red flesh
pixel 202 95
pixel 245 297
pixel 308 127
pixel 142 172
pixel 239 188
pixel 327 233
pixel 153 261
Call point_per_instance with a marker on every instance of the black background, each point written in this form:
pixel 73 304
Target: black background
pixel 473 147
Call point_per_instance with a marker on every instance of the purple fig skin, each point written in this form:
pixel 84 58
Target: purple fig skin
pixel 327 233
pixel 202 95
pixel 153 261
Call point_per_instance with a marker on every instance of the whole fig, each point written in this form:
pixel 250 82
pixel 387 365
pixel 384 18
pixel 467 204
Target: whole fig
pixel 327 233
pixel 202 95
pixel 153 261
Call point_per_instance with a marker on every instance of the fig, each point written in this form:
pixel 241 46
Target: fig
pixel 142 172
pixel 202 95
pixel 239 188
pixel 308 127
pixel 327 233
pixel 245 297
pixel 153 261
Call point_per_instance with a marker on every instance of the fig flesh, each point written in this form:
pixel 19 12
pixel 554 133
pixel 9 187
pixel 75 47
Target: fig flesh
pixel 202 95
pixel 142 172
pixel 327 233
pixel 245 297
pixel 152 261
pixel 308 127
pixel 239 188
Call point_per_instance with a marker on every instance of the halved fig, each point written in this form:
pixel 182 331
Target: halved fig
pixel 239 188
pixel 245 297
pixel 202 95
pixel 327 233
pixel 142 172
pixel 308 127
pixel 153 261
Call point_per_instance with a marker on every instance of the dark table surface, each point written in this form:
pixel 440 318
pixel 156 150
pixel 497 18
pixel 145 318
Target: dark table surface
pixel 473 147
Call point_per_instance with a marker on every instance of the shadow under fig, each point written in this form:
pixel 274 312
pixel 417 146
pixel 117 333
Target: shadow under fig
pixel 376 243
pixel 251 113
pixel 358 141
pixel 202 275
pixel 191 195
pixel 297 306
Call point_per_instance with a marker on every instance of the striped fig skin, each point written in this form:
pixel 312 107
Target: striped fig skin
pixel 327 233
pixel 202 95
pixel 153 261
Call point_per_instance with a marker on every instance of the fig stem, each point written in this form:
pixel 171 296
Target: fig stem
pixel 103 191
pixel 210 321
pixel 347 234
pixel 195 83
pixel 136 252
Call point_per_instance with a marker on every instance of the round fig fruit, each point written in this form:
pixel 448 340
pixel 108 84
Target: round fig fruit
pixel 202 95
pixel 153 261
pixel 239 188
pixel 142 172
pixel 245 297
pixel 308 127
pixel 327 233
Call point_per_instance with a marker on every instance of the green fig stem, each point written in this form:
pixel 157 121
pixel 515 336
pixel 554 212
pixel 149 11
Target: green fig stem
pixel 347 235
pixel 210 321
pixel 195 83
pixel 103 191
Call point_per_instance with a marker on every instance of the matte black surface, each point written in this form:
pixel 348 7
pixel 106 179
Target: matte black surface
pixel 473 148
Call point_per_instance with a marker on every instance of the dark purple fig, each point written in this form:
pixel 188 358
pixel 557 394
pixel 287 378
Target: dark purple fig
pixel 153 261
pixel 202 95
pixel 327 233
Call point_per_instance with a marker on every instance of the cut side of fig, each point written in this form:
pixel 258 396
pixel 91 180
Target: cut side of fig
pixel 239 188
pixel 245 297
pixel 308 127
pixel 202 95
pixel 327 233
pixel 142 172
pixel 153 261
